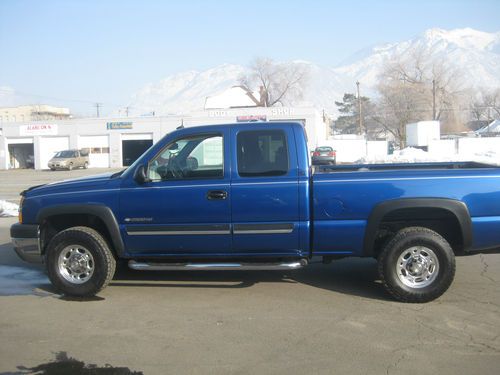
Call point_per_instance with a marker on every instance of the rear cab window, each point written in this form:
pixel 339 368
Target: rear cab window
pixel 262 153
pixel 324 149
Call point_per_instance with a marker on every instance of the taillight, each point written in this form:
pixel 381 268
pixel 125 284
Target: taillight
pixel 315 153
pixel 331 153
pixel 20 215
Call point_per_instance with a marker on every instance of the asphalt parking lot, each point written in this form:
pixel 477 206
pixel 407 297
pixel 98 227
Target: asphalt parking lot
pixel 323 319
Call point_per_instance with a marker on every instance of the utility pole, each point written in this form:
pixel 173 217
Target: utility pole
pixel 489 119
pixel 434 99
pixel 126 110
pixel 97 107
pixel 359 111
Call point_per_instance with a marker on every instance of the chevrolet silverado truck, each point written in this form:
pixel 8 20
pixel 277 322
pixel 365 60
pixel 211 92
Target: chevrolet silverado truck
pixel 244 196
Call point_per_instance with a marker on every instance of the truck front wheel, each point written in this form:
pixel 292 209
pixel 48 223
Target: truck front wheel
pixel 79 262
pixel 417 265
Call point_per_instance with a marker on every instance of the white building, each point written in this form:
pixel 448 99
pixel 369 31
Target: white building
pixel 420 134
pixel 233 97
pixel 492 128
pixel 36 112
pixel 117 142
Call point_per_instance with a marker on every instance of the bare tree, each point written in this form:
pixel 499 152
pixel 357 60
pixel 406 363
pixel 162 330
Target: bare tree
pixel 484 107
pixel 278 83
pixel 415 87
pixel 491 102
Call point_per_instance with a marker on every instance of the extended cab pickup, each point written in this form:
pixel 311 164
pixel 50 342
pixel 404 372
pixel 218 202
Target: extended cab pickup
pixel 244 196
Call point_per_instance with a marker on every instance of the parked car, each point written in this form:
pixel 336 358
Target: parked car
pixel 252 202
pixel 324 155
pixel 69 159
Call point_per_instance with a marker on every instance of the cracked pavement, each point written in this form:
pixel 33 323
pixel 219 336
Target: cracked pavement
pixel 323 319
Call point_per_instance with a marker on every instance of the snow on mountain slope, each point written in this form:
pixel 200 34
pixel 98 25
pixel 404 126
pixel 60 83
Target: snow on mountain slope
pixel 184 92
pixel 475 53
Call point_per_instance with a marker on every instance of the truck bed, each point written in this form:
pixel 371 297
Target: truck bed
pixel 345 195
pixel 399 166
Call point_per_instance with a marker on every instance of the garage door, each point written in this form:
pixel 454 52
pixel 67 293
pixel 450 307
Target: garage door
pixel 20 153
pixel 134 145
pixel 49 146
pixel 98 147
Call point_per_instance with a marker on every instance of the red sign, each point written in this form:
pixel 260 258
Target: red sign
pixel 38 129
pixel 251 118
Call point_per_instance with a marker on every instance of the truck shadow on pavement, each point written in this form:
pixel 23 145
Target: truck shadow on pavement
pixel 349 276
pixel 357 277
pixel 63 365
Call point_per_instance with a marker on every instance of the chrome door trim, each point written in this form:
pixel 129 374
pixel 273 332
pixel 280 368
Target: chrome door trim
pixel 263 228
pixel 178 230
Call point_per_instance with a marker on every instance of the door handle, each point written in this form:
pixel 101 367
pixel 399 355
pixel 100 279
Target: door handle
pixel 216 194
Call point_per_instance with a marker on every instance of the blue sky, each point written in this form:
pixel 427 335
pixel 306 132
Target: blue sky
pixel 106 50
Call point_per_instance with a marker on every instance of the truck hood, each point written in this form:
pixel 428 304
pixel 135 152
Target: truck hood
pixel 75 184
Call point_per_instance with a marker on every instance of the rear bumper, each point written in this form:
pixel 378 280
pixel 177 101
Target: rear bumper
pixel 323 160
pixel 26 241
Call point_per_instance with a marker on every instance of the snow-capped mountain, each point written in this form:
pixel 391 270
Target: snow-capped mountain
pixel 185 91
pixel 475 53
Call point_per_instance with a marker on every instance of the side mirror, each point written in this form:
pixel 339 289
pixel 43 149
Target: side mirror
pixel 140 175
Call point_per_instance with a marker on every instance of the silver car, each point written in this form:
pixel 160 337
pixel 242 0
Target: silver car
pixel 69 159
pixel 324 155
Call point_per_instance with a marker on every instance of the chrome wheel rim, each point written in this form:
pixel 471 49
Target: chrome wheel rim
pixel 76 264
pixel 417 267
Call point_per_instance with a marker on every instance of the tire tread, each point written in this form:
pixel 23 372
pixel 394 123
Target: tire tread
pixel 406 296
pixel 103 248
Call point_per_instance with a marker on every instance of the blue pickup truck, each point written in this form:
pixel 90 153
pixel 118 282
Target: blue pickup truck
pixel 245 196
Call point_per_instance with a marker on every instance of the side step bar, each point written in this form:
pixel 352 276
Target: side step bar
pixel 153 266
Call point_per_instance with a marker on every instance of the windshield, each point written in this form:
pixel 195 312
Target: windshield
pixel 65 154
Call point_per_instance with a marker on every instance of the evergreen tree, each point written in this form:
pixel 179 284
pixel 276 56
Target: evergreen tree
pixel 348 121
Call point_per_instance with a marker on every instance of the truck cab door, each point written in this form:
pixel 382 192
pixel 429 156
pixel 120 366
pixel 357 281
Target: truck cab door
pixel 184 209
pixel 264 191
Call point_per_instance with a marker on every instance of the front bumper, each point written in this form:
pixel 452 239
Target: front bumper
pixel 57 166
pixel 26 241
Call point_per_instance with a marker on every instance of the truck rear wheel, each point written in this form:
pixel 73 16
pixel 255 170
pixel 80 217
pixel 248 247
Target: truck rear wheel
pixel 79 262
pixel 417 265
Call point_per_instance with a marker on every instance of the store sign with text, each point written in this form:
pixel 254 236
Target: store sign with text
pixel 251 118
pixel 38 129
pixel 118 125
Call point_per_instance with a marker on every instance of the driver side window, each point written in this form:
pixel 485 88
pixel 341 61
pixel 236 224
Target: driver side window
pixel 189 158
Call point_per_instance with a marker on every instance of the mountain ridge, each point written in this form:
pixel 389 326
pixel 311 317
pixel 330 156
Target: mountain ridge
pixel 476 53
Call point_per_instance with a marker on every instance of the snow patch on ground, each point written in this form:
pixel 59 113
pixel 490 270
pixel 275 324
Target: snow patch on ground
pixel 20 281
pixel 415 155
pixel 8 209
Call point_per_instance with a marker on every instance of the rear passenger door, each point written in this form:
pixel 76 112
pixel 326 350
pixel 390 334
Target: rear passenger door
pixel 264 191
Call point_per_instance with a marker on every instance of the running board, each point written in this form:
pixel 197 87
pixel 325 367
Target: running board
pixel 152 266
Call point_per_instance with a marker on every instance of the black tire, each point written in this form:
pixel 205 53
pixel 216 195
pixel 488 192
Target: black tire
pixel 85 165
pixel 103 261
pixel 392 269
